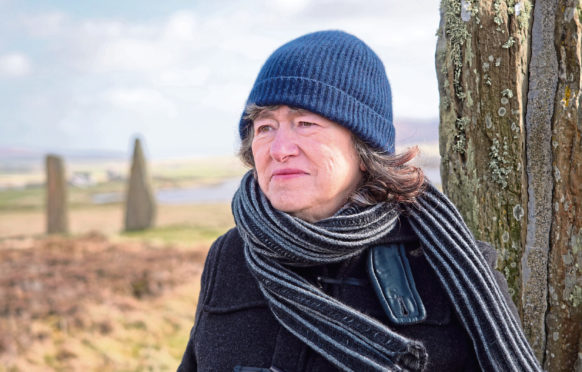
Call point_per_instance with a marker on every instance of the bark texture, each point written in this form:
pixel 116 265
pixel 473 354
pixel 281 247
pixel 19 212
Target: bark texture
pixel 140 205
pixel 57 221
pixel 564 314
pixel 482 64
pixel 540 108
pixel 511 153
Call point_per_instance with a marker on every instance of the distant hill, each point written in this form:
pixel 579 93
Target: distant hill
pixel 34 154
pixel 18 153
pixel 16 159
pixel 416 131
pixel 409 131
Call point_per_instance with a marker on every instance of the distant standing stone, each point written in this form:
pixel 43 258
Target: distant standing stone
pixel 140 205
pixel 56 196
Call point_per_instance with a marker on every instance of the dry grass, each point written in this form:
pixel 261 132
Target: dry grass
pixel 108 219
pixel 99 299
pixel 88 303
pixel 102 301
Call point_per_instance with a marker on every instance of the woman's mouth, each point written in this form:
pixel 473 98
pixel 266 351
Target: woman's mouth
pixel 287 173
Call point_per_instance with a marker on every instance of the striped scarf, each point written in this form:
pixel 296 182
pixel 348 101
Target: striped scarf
pixel 351 340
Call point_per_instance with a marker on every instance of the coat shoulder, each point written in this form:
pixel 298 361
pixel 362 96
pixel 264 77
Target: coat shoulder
pixel 488 252
pixel 231 286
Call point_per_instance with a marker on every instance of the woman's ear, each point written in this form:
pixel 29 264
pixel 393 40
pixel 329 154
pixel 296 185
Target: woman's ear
pixel 363 166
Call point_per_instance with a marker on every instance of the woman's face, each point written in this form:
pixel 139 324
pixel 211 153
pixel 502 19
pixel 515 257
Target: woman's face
pixel 306 164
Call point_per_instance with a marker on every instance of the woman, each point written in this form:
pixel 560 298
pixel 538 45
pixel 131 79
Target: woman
pixel 343 257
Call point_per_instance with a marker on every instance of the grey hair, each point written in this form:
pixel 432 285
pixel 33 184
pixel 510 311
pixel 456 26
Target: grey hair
pixel 386 176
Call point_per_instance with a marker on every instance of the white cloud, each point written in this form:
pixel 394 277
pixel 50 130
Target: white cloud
pixel 181 26
pixel 45 25
pixel 99 29
pixel 14 65
pixel 194 77
pixel 122 73
pixel 288 6
pixel 140 100
pixel 129 54
pixel 106 46
pixel 229 97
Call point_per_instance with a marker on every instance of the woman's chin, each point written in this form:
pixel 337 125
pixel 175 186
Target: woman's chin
pixel 291 207
pixel 288 206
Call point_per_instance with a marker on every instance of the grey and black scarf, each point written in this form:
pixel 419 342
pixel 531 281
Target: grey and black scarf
pixel 347 338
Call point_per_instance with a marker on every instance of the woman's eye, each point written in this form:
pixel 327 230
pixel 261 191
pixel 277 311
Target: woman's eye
pixel 306 124
pixel 263 128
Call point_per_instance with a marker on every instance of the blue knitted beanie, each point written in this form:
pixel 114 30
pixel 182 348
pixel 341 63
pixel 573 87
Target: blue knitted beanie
pixel 333 74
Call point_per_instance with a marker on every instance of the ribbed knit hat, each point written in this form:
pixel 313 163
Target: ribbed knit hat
pixel 333 74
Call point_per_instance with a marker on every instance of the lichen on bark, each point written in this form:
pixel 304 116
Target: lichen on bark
pixel 512 158
pixel 481 143
pixel 564 315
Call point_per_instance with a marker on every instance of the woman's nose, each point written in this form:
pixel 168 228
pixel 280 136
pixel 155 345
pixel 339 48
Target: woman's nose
pixel 284 145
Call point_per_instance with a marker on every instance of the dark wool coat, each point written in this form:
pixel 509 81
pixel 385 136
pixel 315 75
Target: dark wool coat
pixel 234 326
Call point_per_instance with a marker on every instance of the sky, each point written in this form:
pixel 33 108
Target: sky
pixel 91 75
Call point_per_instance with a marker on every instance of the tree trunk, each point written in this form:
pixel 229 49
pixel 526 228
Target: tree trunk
pixel 510 143
pixel 564 316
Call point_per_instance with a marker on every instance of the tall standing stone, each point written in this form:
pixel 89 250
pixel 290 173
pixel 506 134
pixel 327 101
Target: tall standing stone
pixel 56 196
pixel 511 146
pixel 140 206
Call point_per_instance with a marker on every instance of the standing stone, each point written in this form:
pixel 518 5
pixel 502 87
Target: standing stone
pixel 56 196
pixel 140 207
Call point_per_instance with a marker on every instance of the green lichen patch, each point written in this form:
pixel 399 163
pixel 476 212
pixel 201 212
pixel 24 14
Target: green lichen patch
pixel 499 164
pixel 572 261
pixel 460 145
pixel 508 263
pixel 498 18
pixel 524 14
pixel 507 93
pixel 445 102
pixel 518 212
pixel 509 43
pixel 575 297
pixel 576 242
pixel 515 128
pixel 488 121
pixel 458 37
pixel 505 236
pixel 469 100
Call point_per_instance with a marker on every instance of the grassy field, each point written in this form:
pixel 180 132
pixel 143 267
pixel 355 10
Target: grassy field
pixel 22 205
pixel 175 223
pixel 87 303
pixel 99 298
